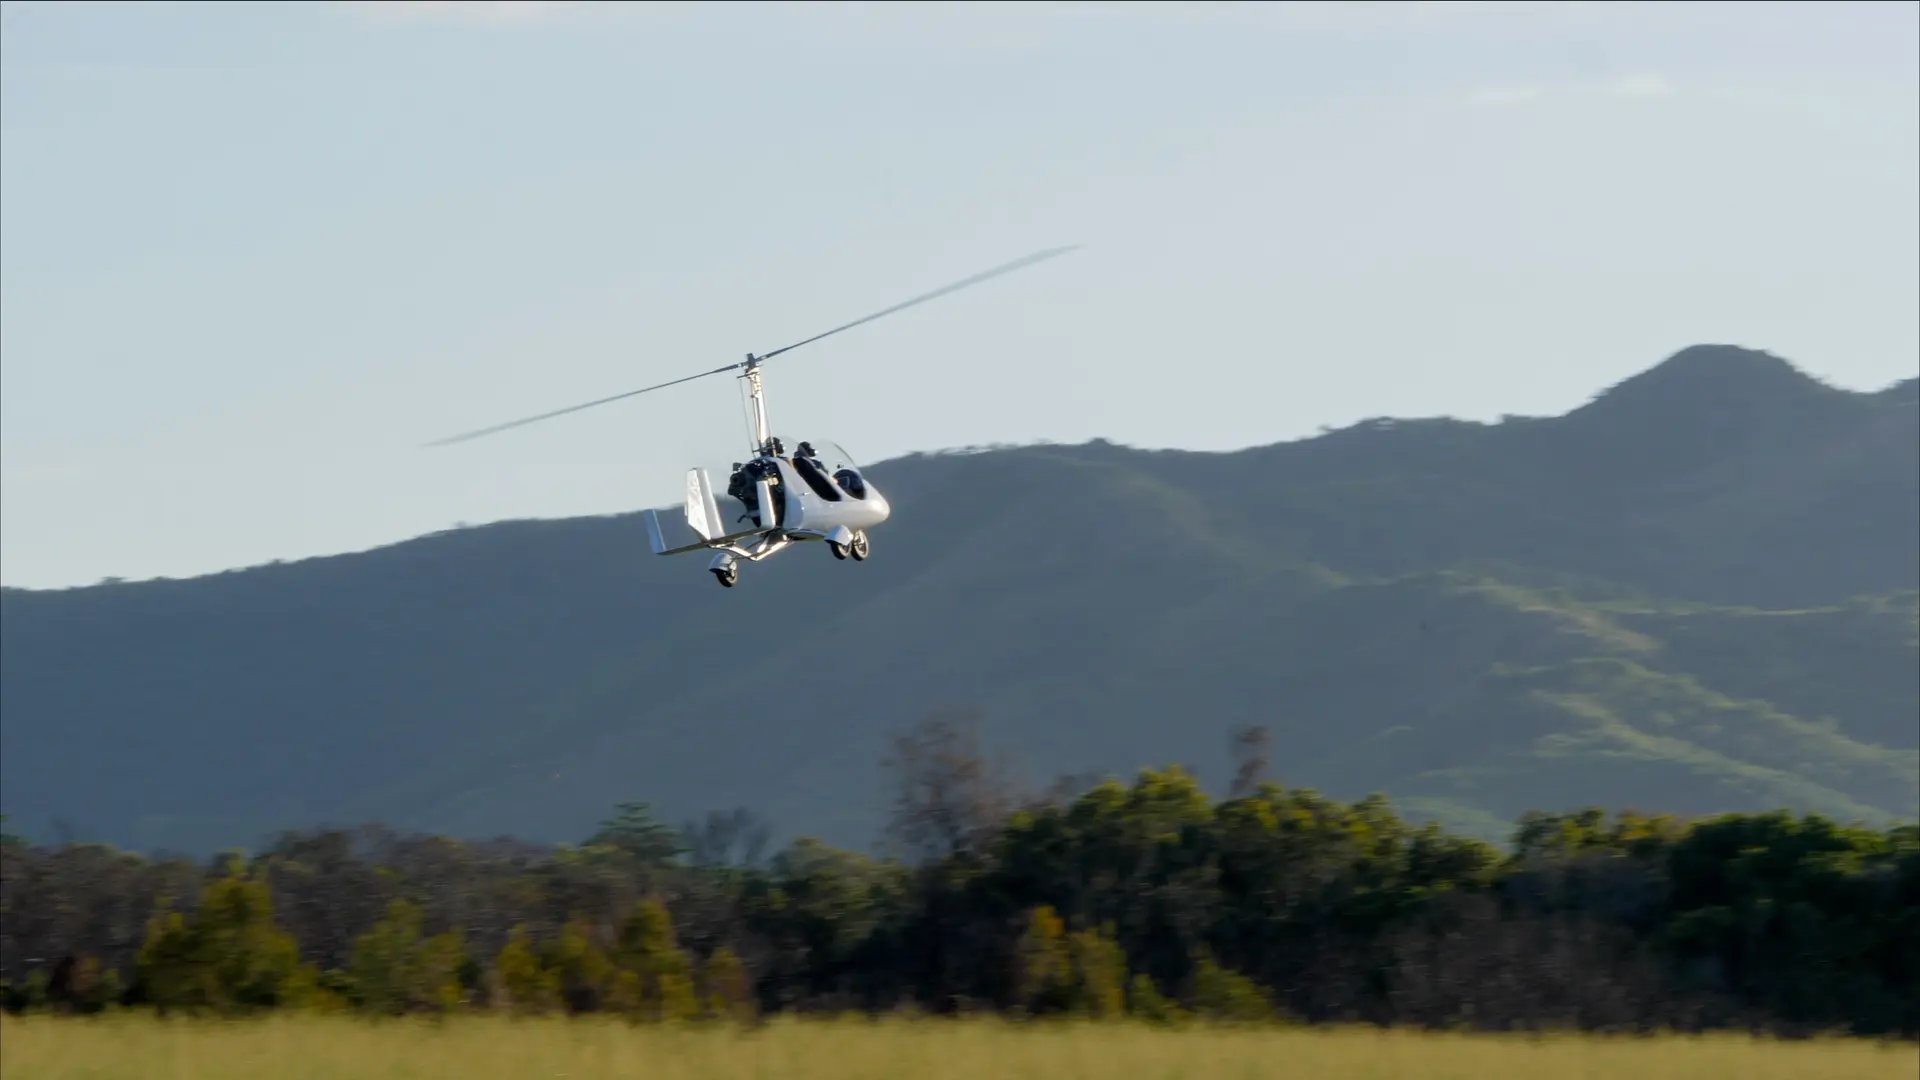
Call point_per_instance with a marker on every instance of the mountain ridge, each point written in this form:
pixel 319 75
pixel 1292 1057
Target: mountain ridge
pixel 1444 610
pixel 1731 361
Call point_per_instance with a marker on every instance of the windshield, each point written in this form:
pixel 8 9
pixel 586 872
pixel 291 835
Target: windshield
pixel 834 456
pixel 831 455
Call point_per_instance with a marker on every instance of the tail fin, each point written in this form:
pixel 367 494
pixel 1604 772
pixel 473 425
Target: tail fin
pixel 702 513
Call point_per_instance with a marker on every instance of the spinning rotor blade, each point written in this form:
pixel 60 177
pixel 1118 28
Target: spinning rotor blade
pixel 976 279
pixel 575 408
pixel 955 287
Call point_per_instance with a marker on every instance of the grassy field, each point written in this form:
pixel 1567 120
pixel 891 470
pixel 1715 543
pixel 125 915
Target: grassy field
pixel 37 1048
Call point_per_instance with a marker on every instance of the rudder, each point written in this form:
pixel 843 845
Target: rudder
pixel 702 514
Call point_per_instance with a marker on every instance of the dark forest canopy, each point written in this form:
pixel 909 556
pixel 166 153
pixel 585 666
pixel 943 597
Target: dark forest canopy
pixel 1147 899
pixel 1696 593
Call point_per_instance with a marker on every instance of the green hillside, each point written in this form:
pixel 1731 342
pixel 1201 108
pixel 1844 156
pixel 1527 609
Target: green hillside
pixel 1699 592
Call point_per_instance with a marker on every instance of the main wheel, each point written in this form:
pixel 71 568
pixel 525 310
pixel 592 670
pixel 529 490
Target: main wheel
pixel 727 575
pixel 859 549
pixel 839 551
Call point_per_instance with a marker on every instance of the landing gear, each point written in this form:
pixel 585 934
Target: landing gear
pixel 855 546
pixel 725 571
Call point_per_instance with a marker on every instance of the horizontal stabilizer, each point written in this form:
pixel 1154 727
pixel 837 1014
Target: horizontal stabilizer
pixel 657 540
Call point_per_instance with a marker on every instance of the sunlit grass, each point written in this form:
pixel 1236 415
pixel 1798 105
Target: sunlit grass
pixel 307 1048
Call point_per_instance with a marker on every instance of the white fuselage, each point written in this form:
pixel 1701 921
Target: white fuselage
pixel 814 502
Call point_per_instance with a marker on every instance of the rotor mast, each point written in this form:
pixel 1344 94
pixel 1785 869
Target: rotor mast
pixel 762 433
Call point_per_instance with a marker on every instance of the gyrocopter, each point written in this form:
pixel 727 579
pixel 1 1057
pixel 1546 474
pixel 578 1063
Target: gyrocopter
pixel 781 497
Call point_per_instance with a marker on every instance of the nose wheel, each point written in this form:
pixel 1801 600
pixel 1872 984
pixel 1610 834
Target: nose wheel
pixel 857 547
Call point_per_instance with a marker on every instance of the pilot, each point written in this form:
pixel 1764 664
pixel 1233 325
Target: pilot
pixel 740 486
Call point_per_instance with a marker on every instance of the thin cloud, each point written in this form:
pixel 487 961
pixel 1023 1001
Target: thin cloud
pixel 1381 14
pixel 1637 85
pixel 489 12
pixel 1504 7
pixel 1503 95
pixel 1645 84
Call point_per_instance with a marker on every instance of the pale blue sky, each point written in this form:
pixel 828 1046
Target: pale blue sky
pixel 253 255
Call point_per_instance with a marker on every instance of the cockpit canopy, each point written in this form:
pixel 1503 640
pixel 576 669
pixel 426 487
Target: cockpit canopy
pixel 828 473
pixel 828 470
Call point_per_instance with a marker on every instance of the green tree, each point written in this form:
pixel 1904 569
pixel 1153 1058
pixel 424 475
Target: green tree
pixel 528 986
pixel 584 973
pixel 396 969
pixel 1083 972
pixel 658 983
pixel 82 984
pixel 1099 973
pixel 1146 1002
pixel 1044 982
pixel 634 831
pixel 1225 995
pixel 34 994
pixel 728 986
pixel 229 957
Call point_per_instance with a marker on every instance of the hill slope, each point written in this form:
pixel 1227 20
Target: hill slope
pixel 1695 593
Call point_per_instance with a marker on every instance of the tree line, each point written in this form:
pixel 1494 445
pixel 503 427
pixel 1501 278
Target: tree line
pixel 1148 899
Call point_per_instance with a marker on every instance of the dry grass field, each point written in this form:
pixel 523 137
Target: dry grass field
pixel 312 1048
